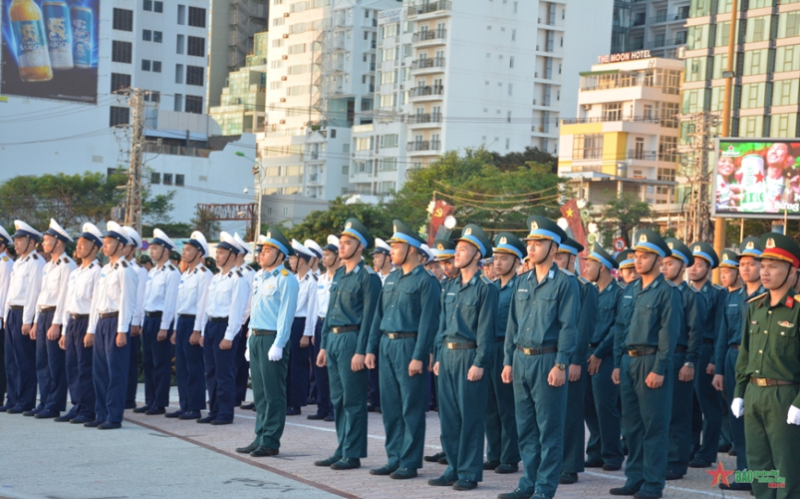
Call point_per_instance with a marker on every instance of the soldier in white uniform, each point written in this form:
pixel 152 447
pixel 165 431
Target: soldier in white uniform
pixel 160 297
pixel 317 251
pixel 189 369
pixel 110 318
pixel 76 344
pixel 242 364
pixel 50 369
pixel 302 329
pixel 129 253
pixel 6 265
pixel 20 313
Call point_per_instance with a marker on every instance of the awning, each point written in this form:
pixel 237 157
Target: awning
pixel 595 73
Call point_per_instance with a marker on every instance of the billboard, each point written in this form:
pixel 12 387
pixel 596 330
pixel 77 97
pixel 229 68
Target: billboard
pixel 49 49
pixel 757 178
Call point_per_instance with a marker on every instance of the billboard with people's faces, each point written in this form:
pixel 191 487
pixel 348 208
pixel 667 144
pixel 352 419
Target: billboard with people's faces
pixel 757 178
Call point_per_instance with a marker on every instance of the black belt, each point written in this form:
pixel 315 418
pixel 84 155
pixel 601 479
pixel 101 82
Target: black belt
pixel 78 316
pixel 109 315
pixel 218 320
pixel 594 345
pixel 735 347
pixel 642 351
pixel 47 309
pixel 499 339
pixel 188 316
pixel 400 335
pixel 680 349
pixel 457 345
pixel 259 333
pixel 534 351
pixel 346 328
pixel 708 341
pixel 16 308
pixel 154 314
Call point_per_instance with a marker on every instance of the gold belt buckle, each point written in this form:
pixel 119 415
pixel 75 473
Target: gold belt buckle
pixel 761 382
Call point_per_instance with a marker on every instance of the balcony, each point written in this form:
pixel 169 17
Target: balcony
pixel 424 118
pixel 600 119
pixel 429 63
pixel 635 154
pixel 658 44
pixel 430 7
pixel 167 149
pixel 424 146
pixel 664 18
pixel 435 90
pixel 436 36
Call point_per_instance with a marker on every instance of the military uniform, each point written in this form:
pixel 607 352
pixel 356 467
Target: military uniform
pixel 6 265
pixel 542 333
pixel 242 365
pixel 137 320
pixel 303 326
pixel 403 330
pixel 768 378
pixel 321 380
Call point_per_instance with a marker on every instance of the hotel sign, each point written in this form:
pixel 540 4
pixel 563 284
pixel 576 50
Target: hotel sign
pixel 624 56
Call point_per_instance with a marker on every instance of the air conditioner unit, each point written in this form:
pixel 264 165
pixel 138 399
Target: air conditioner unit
pixel 283 78
pixel 284 57
pixel 283 99
pixel 282 122
pixel 587 107
pixel 285 14
pixel 286 35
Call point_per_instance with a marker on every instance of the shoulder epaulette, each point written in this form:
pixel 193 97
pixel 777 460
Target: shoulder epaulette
pixel 171 267
pixel 5 258
pixel 368 269
pixel 485 279
pixel 670 283
pixel 239 273
pixel 35 256
pixel 584 280
pixel 690 287
pixel 66 260
pixel 718 287
pixel 202 268
pixel 124 262
pixel 315 277
pixel 757 297
pixel 566 272
pixel 91 265
pixel 284 272
pixel 797 298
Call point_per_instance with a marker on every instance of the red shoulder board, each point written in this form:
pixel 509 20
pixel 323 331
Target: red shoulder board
pixel 789 302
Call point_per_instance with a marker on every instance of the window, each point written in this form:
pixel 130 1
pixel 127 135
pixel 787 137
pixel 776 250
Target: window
pixel 196 46
pixel 723 34
pixel 152 96
pixel 179 73
pixel 147 35
pixel 123 19
pixel 783 125
pixel 668 149
pixel 145 64
pixel 514 34
pixel 179 44
pixel 179 179
pixel 345 170
pixel 181 14
pixel 197 17
pixel 155 178
pixel 510 89
pixel 587 147
pixel 753 95
pixel 158 7
pixel 194 104
pixel 612 112
pixel 666 174
pixel 787 58
pixel 755 62
pixel 751 126
pixel 696 69
pixel 757 29
pixel 158 36
pixel 178 103
pixel 167 179
pixel 157 66
pixel 194 75
pixel 148 5
pixel 785 92
pixel 697 37
pixel 389 141
pixel 121 51
pixel 120 81
pixel 119 116
pixel 511 62
pixel 789 24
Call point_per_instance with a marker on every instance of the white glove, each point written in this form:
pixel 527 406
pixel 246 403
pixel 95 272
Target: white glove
pixel 275 353
pixel 794 416
pixel 737 407
pixel 247 353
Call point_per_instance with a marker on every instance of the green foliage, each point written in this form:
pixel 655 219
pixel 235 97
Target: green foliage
pixel 173 229
pixel 320 223
pixel 202 222
pixel 157 208
pixel 620 215
pixel 512 161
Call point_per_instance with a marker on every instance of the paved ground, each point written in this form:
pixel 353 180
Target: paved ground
pixel 156 457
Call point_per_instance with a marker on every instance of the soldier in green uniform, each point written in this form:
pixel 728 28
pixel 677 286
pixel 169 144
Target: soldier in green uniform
pixel 726 350
pixel 502 449
pixel 602 396
pixel 540 340
pixel 710 403
pixel 683 359
pixel 768 371
pixel 355 291
pixel 403 330
pixel 463 353
pixel 646 369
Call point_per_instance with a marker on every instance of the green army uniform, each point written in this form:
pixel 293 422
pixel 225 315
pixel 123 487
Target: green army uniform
pixel 649 342
pixel 686 353
pixel 345 332
pixel 541 335
pixel 502 449
pixel 768 378
pixel 465 339
pixel 403 329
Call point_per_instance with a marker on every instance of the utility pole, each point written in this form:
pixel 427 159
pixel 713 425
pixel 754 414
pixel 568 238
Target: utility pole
pixel 696 167
pixel 133 198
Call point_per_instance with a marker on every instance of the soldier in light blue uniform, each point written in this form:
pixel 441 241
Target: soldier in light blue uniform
pixel 541 338
pixel 602 396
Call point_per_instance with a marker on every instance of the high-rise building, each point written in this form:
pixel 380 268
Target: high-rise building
pixel 654 25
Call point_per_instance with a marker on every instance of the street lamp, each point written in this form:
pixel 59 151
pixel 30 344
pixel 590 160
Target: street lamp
pixel 258 173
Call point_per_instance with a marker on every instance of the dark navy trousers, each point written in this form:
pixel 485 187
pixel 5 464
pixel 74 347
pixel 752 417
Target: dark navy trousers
pixel 157 363
pixel 133 371
pixel 50 366
pixel 220 371
pixel 110 371
pixel 189 368
pixel 20 363
pixel 78 360
pixel 297 375
pixel 242 365
pixel 324 406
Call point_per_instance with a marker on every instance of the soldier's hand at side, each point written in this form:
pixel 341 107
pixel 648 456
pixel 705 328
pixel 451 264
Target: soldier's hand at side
pixel 88 340
pixel 508 375
pixel 415 368
pixel 312 341
pixel 654 380
pixel 122 339
pixel 557 377
pixel 717 383
pixel 62 343
pixel 794 416
pixel 474 374
pixel 26 330
pixel 430 362
pixel 436 368
pixel 194 338
pixel 594 364
pixel 574 373
pixel 686 374
pixel 369 360
pixel 135 330
pixel 737 407
pixel 322 358
pixel 304 341
pixel 357 363
pixel 173 338
pixel 54 332
pixel 615 376
pixel 710 369
pixel 162 335
pixel 225 344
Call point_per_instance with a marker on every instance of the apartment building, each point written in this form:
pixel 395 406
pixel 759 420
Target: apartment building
pixel 625 136
pixel 654 25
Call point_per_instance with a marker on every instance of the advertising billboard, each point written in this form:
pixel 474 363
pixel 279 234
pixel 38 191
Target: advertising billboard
pixel 757 178
pixel 50 49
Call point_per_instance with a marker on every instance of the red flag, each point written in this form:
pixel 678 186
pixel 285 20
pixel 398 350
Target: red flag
pixel 441 210
pixel 572 214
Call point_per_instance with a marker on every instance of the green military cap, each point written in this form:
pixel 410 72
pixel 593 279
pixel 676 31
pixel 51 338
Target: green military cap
pixel 404 234
pixel 355 229
pixel 600 255
pixel 650 241
pixel 780 247
pixel 706 252
pixel 275 238
pixel 144 259
pixel 476 236
pixel 542 228
pixel 510 244
pixel 680 251
pixel 211 264
pixel 174 255
pixel 750 247
pixel 570 246
pixel 625 259
pixel 729 259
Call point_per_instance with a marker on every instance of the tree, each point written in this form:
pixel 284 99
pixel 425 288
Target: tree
pixel 320 223
pixel 621 215
pixel 203 222
pixel 531 155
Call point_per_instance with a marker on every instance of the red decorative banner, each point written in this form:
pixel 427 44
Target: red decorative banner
pixel 572 214
pixel 441 210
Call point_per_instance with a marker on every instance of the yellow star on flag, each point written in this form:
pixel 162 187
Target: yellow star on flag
pixel 569 212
